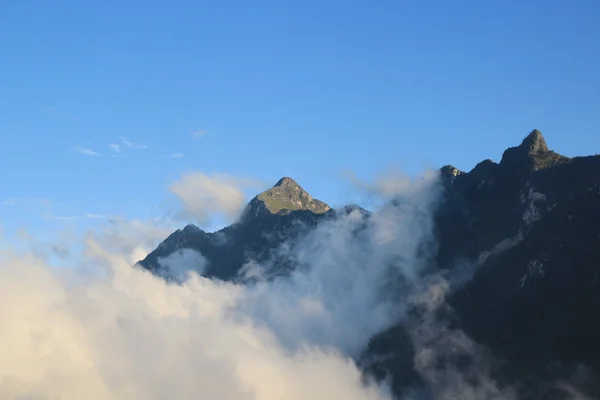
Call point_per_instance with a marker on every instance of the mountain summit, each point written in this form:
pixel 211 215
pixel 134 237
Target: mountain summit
pixel 284 197
pixel 268 220
pixel 534 143
pixel 532 154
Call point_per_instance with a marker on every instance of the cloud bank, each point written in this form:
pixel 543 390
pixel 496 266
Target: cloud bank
pixel 103 329
pixel 128 335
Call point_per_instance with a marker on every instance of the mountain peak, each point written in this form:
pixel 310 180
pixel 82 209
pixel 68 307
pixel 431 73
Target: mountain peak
pixel 288 195
pixel 191 228
pixel 532 154
pixel 287 182
pixel 450 172
pixel 534 142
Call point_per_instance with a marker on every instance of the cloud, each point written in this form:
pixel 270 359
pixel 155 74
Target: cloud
pixel 452 365
pixel 341 294
pixel 73 217
pixel 203 195
pixel 179 264
pixel 175 155
pixel 199 133
pixel 115 147
pixel 125 142
pixel 86 151
pixel 133 238
pixel 11 202
pixel 582 377
pixel 104 330
pixel 95 216
pixel 57 247
pixel 389 184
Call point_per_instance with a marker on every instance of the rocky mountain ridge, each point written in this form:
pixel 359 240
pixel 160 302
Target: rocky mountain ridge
pixel 528 226
pixel 278 214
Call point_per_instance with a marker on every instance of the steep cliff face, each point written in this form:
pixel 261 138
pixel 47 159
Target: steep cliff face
pixel 530 229
pixel 496 202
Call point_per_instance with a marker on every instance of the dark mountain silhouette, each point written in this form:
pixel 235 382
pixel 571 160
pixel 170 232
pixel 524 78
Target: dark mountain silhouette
pixel 531 225
pixel 528 226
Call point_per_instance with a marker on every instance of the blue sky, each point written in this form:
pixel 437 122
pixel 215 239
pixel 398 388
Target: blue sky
pixel 306 89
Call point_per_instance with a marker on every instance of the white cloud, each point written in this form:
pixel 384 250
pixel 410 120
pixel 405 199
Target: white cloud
pixel 131 145
pixel 175 155
pixel 86 151
pixel 11 202
pixel 340 296
pixel 199 133
pixel 105 330
pixel 110 331
pixel 203 195
pixel 179 264
pixel 390 184
pixel 115 147
pixel 133 238
pixel 95 216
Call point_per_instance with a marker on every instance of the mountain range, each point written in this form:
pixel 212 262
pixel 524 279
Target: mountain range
pixel 520 237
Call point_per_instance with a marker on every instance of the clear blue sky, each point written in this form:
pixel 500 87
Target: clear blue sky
pixel 304 88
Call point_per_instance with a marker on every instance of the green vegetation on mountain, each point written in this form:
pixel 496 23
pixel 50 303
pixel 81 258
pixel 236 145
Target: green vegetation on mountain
pixel 288 195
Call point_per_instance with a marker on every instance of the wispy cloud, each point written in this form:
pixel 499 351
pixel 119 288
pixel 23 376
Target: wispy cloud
pixel 74 217
pixel 35 204
pixel 86 151
pixel 199 133
pixel 175 155
pixel 60 218
pixel 11 202
pixel 131 145
pixel 95 216
pixel 115 147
